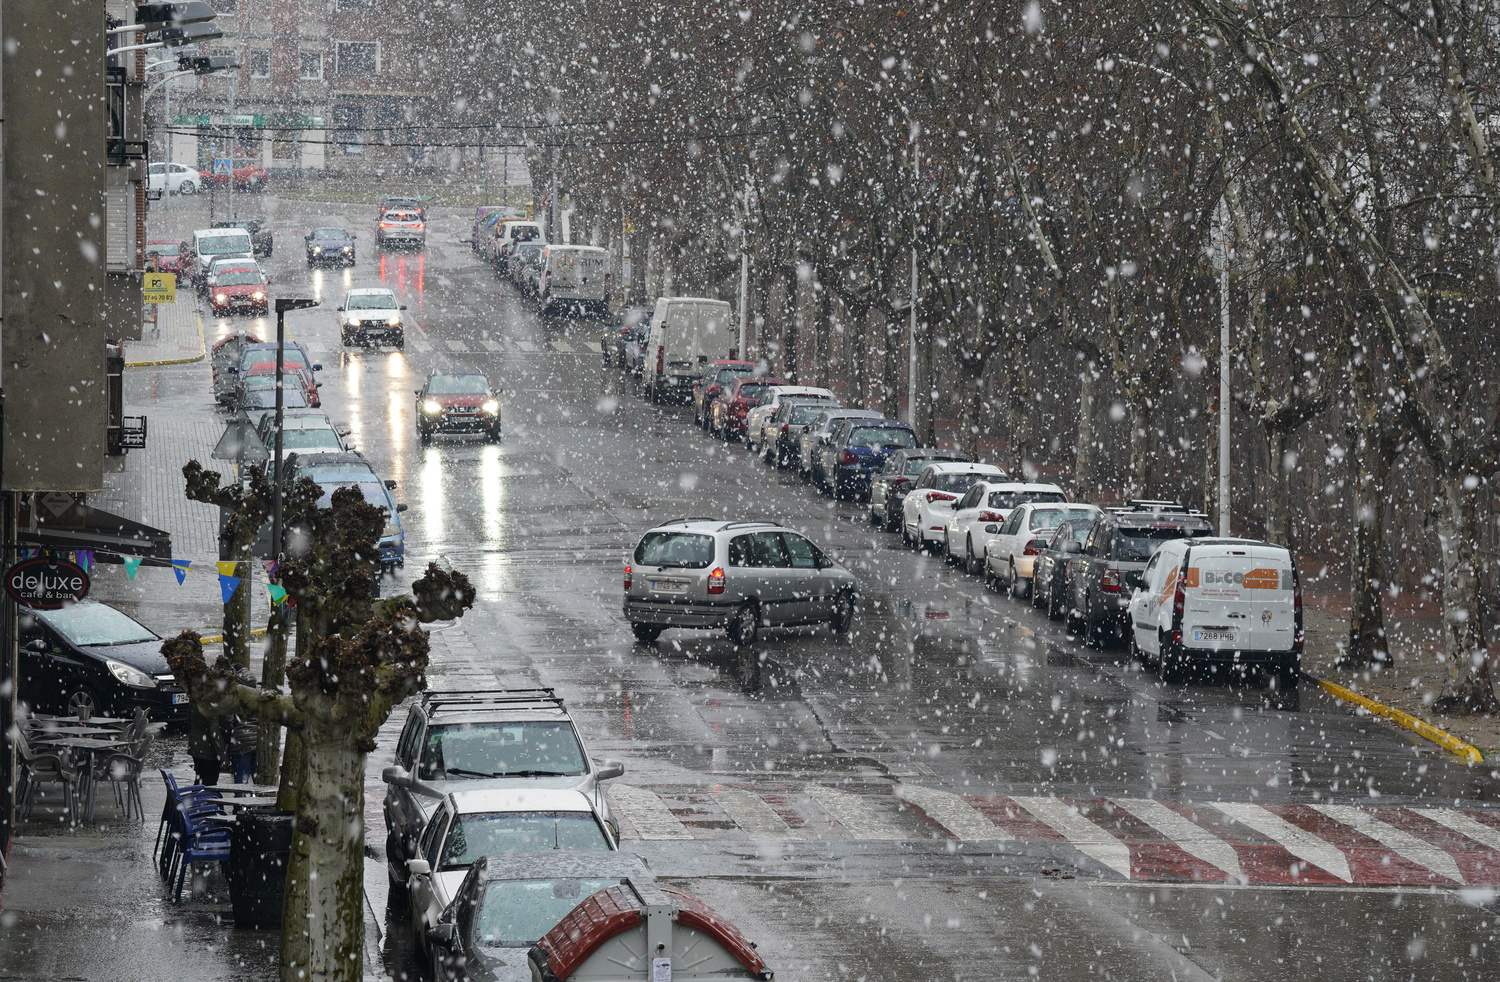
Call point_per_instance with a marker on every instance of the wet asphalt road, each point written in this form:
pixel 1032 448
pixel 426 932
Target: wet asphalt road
pixel 943 687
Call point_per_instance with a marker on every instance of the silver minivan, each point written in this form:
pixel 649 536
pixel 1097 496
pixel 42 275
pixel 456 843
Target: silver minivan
pixel 741 576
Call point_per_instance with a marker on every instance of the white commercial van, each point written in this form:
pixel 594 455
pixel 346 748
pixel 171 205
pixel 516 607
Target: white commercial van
pixel 1220 604
pixel 686 334
pixel 574 280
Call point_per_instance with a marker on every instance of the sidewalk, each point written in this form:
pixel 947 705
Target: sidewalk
pixel 176 336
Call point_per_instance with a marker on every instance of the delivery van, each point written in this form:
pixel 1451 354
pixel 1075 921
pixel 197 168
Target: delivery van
pixel 574 281
pixel 687 333
pixel 1220 605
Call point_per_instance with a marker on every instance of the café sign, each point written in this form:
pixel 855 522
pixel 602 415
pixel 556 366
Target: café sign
pixel 46 584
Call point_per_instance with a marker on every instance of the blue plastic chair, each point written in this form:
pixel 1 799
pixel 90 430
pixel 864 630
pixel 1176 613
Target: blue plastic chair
pixel 168 831
pixel 200 843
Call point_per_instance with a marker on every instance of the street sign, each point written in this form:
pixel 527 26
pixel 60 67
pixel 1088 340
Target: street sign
pixel 221 165
pixel 627 227
pixel 159 287
pixel 240 443
pixel 46 584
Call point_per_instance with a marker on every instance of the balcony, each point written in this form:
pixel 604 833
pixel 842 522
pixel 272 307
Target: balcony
pixel 129 434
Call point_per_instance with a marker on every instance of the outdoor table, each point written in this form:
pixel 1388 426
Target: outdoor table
pixel 245 790
pixel 44 732
pixel 89 746
pixel 225 820
pixel 74 720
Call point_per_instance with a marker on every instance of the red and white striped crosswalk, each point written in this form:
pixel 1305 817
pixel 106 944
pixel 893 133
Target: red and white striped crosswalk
pixel 1144 839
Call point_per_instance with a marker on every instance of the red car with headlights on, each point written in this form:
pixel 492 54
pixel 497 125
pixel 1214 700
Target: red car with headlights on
pixel 240 290
pixel 457 403
pixel 165 256
pixel 735 402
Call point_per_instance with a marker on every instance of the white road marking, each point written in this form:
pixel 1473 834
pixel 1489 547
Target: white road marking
pixel 853 813
pixel 751 813
pixel 458 347
pixel 1486 835
pixel 647 812
pixel 1082 834
pixel 1293 838
pixel 1398 841
pixel 525 346
pixel 419 341
pixel 1190 837
pixel 491 344
pixel 594 346
pixel 951 812
pixel 560 346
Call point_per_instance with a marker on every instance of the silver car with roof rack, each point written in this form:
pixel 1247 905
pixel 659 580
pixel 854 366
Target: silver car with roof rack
pixel 483 739
pixel 741 576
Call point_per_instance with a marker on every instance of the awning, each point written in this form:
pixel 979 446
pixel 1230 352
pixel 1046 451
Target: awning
pixel 110 536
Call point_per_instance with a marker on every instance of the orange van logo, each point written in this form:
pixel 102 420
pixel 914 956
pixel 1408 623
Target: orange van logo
pixel 1192 578
pixel 1263 579
pixel 1169 587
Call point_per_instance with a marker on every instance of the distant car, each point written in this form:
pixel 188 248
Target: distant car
pixel 925 510
pixel 174 178
pixel 976 517
pixel 371 315
pixel 815 435
pixel 755 423
pixel 240 290
pixel 733 404
pixel 1121 542
pixel 253 352
pixel 293 373
pixel 617 332
pixel 480 214
pixel 471 824
pixel 329 246
pixel 304 430
pixel 705 573
pixel 211 272
pixel 208 244
pixel 165 255
pixel 1010 555
pixel 482 739
pixel 399 227
pixel 251 177
pixel 225 359
pixel 337 470
pixel 856 448
pixel 92 659
pixel 454 402
pixel 718 375
pixel 257 397
pixel 888 487
pixel 261 239
pixel 1049 568
pixel 782 433
pixel 507 903
pixel 524 265
pixel 398 202
pixel 511 235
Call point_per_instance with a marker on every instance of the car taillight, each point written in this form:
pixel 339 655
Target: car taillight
pixel 1296 608
pixel 1109 580
pixel 661 361
pixel 941 496
pixel 627 577
pixel 716 580
pixel 785 427
pixel 1179 604
pixel 1035 547
pixel 848 457
pixel 992 516
pixel 385 224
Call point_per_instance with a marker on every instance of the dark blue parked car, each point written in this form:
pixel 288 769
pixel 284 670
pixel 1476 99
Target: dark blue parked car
pixel 856 449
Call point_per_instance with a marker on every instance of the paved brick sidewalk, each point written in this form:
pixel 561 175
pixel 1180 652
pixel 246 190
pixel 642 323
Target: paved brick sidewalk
pixel 175 337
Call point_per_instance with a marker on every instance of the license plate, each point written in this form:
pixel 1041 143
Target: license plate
pixel 179 698
pixel 1213 635
pixel 668 586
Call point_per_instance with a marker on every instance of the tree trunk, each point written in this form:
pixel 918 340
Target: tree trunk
pixel 237 617
pixel 1372 465
pixel 1211 445
pixel 1469 688
pixel 890 375
pixel 1083 469
pixel 1140 440
pixel 322 923
pixel 1274 481
pixel 272 676
pixel 1019 437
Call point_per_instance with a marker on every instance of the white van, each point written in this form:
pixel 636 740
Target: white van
pixel 573 280
pixel 508 236
pixel 1231 604
pixel 686 334
pixel 209 244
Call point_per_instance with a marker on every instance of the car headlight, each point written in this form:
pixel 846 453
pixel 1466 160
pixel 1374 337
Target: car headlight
pixel 220 298
pixel 348 249
pixel 432 406
pixel 258 295
pixel 393 322
pixel 490 406
pixel 353 321
pixel 390 530
pixel 317 248
pixel 133 677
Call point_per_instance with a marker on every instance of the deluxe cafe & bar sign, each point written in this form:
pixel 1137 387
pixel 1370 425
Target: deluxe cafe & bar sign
pixel 46 584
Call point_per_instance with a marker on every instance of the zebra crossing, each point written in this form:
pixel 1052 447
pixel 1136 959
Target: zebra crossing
pixel 1141 839
pixel 419 340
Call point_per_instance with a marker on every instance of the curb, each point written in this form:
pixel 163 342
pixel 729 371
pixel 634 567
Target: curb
pixel 1446 740
pixel 219 638
pixel 202 350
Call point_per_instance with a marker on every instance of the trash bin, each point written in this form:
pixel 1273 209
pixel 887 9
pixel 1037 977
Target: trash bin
pixel 258 852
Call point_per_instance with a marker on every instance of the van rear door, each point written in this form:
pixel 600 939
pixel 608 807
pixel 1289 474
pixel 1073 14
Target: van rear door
pixel 1239 598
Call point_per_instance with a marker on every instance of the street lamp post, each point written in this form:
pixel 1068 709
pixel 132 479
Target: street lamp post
pixel 283 304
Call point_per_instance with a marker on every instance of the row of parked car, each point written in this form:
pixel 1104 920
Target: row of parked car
pixel 1151 574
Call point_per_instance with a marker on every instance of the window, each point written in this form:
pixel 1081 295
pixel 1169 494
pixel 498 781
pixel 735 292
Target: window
pixel 312 64
pixel 767 550
pixel 486 834
pixel 358 57
pixel 260 64
pixel 490 750
pixel 969 500
pixel 681 549
pixel 432 835
pixel 804 556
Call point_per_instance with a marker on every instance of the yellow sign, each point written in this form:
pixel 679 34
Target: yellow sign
pixel 628 227
pixel 160 287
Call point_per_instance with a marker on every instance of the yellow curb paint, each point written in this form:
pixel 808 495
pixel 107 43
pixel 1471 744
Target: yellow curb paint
pixel 1446 740
pixel 202 350
pixel 218 638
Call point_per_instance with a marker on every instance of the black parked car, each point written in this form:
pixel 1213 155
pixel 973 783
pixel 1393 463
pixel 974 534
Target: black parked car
pixel 330 246
pixel 90 658
pixel 1049 576
pixel 889 485
pixel 1107 571
pixel 261 240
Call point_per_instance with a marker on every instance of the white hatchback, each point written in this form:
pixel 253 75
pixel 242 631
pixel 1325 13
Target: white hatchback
pixel 1013 546
pixel 755 422
pixel 929 505
pixel 982 510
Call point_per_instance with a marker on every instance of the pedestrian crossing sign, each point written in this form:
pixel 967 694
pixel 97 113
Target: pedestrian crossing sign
pixel 160 287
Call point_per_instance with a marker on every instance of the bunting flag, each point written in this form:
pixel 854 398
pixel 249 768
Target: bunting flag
pixel 227 569
pixel 227 586
pixel 277 594
pixel 270 567
pixel 132 563
pixel 181 567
